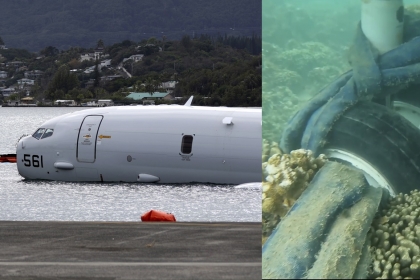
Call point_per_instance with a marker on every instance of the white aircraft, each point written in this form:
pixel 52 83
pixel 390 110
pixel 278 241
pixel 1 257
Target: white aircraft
pixel 165 144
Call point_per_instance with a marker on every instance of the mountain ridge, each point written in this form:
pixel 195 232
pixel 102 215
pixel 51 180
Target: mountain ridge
pixel 34 25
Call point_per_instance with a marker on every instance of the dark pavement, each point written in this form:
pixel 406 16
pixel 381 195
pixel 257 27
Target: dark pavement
pixel 129 250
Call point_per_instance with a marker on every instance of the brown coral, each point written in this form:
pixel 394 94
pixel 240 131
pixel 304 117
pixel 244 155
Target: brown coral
pixel 395 238
pixel 286 176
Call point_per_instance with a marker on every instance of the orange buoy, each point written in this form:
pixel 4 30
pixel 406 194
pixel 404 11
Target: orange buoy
pixel 11 159
pixel 157 216
pixel 8 158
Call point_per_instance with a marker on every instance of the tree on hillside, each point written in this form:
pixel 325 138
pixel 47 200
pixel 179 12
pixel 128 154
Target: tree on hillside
pixel 16 54
pixel 62 82
pixel 100 44
pixel 96 74
pixel 152 84
pixel 100 93
pixel 50 51
pixel 148 49
pixel 1 41
pixel 186 42
pixel 215 71
pixel 163 42
pixel 139 86
pixel 152 40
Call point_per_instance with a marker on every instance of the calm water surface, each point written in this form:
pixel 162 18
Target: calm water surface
pixel 22 200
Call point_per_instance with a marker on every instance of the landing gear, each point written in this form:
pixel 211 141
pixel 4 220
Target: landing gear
pixel 381 142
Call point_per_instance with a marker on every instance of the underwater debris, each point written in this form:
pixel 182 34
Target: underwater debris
pixel 285 177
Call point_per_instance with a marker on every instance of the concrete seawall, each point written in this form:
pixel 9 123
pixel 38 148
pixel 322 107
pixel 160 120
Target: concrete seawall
pixel 130 250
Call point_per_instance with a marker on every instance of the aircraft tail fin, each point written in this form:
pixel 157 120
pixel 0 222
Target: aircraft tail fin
pixel 189 101
pixel 253 185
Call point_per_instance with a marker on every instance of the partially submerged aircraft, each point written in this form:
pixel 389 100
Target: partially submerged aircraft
pixel 165 144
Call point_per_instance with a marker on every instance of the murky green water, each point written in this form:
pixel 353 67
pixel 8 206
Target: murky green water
pixel 305 44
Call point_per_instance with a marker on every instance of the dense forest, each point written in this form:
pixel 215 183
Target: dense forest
pixel 217 70
pixel 32 25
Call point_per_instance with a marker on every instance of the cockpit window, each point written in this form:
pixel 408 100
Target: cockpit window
pixel 38 133
pixel 48 132
pixel 42 133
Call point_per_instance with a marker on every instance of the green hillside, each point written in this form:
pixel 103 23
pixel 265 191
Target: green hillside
pixel 224 70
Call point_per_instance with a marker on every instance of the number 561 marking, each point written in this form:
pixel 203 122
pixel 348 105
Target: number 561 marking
pixel 35 160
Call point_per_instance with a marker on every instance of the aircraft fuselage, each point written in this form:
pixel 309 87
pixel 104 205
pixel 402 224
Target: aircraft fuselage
pixel 165 144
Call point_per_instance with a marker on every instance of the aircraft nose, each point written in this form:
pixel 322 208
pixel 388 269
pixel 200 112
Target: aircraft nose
pixel 21 143
pixel 21 149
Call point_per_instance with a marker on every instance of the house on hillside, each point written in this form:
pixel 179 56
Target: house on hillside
pixel 105 102
pixel 24 86
pixel 24 82
pixel 169 86
pixel 3 47
pixel 65 103
pixel 134 58
pixel 99 51
pixel 22 68
pixel 87 56
pixel 105 63
pixel 15 64
pixel 6 92
pixel 91 103
pixel 3 74
pixel 148 98
pixel 35 74
pixel 23 102
pixel 97 54
pixel 28 101
pixel 89 70
pixel 109 78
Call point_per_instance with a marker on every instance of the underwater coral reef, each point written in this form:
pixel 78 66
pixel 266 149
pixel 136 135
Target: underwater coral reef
pixel 395 238
pixel 285 177
pixel 296 65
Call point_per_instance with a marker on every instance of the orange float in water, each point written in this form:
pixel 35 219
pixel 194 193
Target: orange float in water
pixel 157 216
pixel 8 158
pixel 11 159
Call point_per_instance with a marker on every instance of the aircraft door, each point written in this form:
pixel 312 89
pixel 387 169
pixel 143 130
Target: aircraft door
pixel 86 142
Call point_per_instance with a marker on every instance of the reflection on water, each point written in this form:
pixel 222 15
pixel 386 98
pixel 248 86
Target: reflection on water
pixel 64 201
